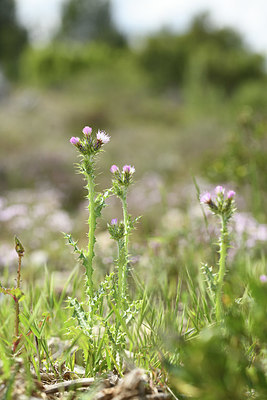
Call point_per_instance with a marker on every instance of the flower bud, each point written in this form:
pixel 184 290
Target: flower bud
pixel 205 198
pixel 128 169
pixel 116 230
pixel 219 190
pixel 19 247
pixel 74 140
pixel 263 278
pixel 114 169
pixel 87 130
pixel 230 194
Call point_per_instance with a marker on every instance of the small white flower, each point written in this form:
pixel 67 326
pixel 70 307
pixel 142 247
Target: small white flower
pixel 102 137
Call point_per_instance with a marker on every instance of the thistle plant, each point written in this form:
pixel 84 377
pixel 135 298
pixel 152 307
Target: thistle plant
pixel 108 303
pixel 224 207
pixel 120 231
pixel 117 233
pixel 89 146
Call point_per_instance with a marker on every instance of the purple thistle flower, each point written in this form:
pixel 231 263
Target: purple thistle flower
pixel 219 190
pixel 102 137
pixel 263 278
pixel 114 221
pixel 87 130
pixel 128 169
pixel 205 198
pixel 230 194
pixel 74 140
pixel 114 169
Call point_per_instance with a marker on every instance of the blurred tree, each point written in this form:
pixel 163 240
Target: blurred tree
pixel 87 20
pixel 203 30
pixel 13 38
pixel 205 54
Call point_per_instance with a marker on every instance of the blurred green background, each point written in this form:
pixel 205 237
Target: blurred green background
pixel 177 106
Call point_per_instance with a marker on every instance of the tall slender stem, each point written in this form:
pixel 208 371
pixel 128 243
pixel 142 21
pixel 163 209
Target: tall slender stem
pixel 91 233
pixel 222 267
pixel 121 264
pixel 126 240
pixel 16 318
pixel 16 300
pixel 19 271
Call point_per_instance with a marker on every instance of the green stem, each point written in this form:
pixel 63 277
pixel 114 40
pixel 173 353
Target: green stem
pixel 16 300
pixel 16 318
pixel 124 248
pixel 125 221
pixel 91 234
pixel 19 271
pixel 222 267
pixel 121 263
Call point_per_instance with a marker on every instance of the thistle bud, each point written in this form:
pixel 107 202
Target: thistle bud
pixel 116 229
pixel 87 130
pixel 128 169
pixel 230 194
pixel 205 198
pixel 263 278
pixel 219 190
pixel 19 247
pixel 114 169
pixel 74 140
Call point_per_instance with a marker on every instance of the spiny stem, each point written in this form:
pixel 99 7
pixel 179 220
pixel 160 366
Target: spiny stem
pixel 16 300
pixel 19 272
pixel 121 263
pixel 16 318
pixel 126 240
pixel 126 221
pixel 222 266
pixel 20 252
pixel 91 233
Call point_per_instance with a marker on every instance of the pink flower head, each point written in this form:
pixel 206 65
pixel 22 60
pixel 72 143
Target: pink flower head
pixel 205 198
pixel 230 194
pixel 114 221
pixel 263 278
pixel 114 169
pixel 87 130
pixel 219 190
pixel 74 140
pixel 102 137
pixel 129 169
